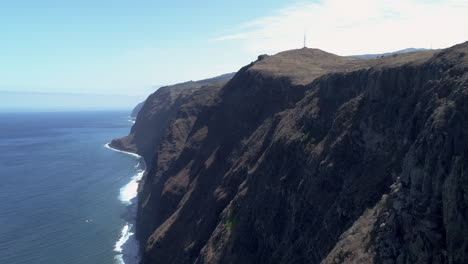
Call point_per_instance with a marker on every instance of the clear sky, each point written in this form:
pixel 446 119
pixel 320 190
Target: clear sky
pixel 127 48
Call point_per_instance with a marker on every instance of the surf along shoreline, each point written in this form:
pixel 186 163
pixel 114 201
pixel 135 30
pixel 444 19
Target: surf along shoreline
pixel 127 246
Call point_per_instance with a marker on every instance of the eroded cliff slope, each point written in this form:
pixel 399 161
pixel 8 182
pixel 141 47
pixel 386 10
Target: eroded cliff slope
pixel 308 157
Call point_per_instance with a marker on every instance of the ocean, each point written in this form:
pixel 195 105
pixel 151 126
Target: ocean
pixel 63 193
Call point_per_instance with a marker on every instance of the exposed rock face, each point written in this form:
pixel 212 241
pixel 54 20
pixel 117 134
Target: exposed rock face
pixel 308 157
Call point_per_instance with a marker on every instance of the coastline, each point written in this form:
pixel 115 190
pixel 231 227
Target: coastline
pixel 127 246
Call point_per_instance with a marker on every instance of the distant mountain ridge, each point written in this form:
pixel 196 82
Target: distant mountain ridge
pixel 372 56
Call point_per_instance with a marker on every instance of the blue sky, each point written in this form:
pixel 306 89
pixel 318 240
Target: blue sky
pixel 126 48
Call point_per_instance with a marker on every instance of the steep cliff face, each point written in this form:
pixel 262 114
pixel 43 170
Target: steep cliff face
pixel 423 217
pixel 170 106
pixel 308 157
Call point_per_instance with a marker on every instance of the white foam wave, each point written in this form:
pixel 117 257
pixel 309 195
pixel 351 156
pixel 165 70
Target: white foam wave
pixel 125 235
pixel 119 259
pixel 121 151
pixel 127 245
pixel 130 191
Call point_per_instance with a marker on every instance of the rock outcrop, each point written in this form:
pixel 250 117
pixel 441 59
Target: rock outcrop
pixel 308 157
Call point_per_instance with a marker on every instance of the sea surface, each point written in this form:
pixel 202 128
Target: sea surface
pixel 62 191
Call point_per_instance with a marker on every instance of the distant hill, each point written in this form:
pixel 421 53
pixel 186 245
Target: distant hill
pixel 137 109
pixel 372 56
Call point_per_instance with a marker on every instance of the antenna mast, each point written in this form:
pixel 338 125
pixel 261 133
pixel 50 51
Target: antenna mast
pixel 305 40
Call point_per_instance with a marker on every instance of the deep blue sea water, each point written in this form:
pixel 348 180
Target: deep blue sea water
pixel 59 187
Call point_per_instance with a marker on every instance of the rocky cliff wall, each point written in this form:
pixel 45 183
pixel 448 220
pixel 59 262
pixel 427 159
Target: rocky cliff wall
pixel 358 163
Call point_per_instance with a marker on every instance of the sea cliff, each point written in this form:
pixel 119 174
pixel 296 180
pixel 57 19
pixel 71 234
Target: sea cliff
pixel 308 157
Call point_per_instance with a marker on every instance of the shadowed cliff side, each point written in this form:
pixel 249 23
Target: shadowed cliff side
pixel 308 157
